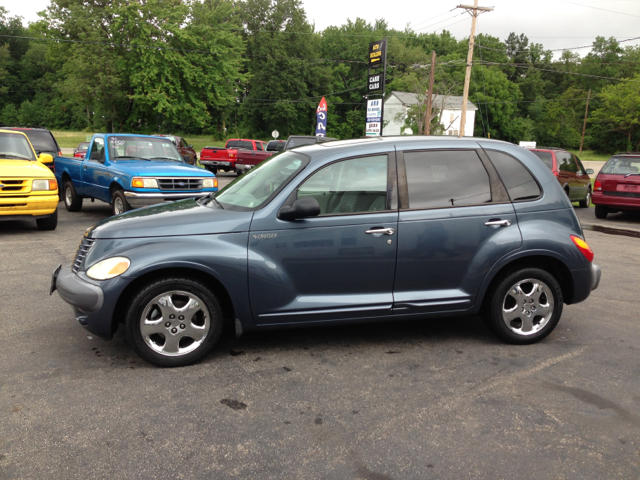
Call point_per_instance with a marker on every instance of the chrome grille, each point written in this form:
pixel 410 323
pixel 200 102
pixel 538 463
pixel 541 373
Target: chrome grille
pixel 81 253
pixel 179 183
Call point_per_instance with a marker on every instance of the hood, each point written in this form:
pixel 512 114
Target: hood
pixel 23 168
pixel 146 168
pixel 185 217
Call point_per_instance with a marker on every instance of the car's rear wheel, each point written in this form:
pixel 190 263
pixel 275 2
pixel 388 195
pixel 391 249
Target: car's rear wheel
pixel 48 223
pixel 173 321
pixel 72 201
pixel 119 204
pixel 213 170
pixel 601 211
pixel 525 306
pixel 587 200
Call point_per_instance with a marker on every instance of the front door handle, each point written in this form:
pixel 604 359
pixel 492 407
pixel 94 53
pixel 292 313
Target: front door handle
pixel 381 231
pixel 498 223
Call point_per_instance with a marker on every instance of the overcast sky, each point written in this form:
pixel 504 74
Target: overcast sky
pixel 556 24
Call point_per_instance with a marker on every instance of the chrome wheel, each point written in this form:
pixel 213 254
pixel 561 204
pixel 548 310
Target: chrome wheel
pixel 175 323
pixel 587 198
pixel 118 206
pixel 527 307
pixel 68 196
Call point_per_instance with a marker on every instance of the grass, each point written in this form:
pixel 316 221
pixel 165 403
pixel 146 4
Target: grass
pixel 72 139
pixel 591 156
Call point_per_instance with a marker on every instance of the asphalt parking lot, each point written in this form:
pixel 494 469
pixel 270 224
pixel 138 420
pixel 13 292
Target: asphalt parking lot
pixel 410 400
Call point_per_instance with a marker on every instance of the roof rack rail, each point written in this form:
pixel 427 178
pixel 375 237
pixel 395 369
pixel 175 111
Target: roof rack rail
pixel 627 153
pixel 10 125
pixel 548 148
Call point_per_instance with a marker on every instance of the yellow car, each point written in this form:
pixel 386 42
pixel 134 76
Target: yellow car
pixel 28 189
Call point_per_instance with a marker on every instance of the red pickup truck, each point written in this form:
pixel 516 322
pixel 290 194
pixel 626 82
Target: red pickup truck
pixel 216 158
pixel 247 160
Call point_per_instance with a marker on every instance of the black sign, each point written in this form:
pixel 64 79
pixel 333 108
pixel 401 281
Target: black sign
pixel 377 53
pixel 376 82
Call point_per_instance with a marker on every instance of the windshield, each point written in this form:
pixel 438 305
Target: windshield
pixel 260 184
pixel 42 141
pixel 240 144
pixel 621 166
pixel 83 147
pixel 143 148
pixel 15 146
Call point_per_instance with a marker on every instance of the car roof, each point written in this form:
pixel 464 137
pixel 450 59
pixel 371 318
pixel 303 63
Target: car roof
pixel 9 130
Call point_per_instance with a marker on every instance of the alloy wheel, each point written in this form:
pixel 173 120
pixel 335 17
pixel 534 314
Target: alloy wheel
pixel 175 323
pixel 527 307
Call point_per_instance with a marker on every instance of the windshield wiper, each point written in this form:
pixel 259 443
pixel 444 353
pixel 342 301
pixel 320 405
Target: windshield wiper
pixel 629 174
pixel 165 158
pixel 4 155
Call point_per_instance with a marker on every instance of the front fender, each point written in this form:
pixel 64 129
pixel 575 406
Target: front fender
pixel 220 256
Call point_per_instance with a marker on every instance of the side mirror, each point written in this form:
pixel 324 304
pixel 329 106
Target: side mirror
pixel 589 171
pixel 45 158
pixel 190 146
pixel 96 155
pixel 301 208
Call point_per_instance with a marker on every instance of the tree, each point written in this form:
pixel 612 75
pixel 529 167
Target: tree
pixel 618 115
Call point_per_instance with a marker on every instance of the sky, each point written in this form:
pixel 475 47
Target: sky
pixel 556 24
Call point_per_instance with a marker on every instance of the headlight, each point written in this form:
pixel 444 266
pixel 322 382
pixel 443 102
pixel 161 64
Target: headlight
pixel 139 182
pixel 44 185
pixel 109 268
pixel 210 183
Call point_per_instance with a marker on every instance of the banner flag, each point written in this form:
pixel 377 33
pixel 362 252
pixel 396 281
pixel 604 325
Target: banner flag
pixel 321 119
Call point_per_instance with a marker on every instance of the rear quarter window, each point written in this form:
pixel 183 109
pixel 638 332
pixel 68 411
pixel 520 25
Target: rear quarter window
pixel 546 158
pixel 518 181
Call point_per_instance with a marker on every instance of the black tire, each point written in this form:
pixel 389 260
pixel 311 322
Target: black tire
pixel 586 202
pixel 178 329
pixel 48 223
pixel 213 170
pixel 601 211
pixel 119 203
pixel 72 201
pixel 503 296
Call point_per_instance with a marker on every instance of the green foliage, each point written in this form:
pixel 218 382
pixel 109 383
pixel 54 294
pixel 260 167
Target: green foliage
pixel 241 68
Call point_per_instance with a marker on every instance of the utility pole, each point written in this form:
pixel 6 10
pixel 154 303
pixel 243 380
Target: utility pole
pixel 427 121
pixel 474 12
pixel 584 125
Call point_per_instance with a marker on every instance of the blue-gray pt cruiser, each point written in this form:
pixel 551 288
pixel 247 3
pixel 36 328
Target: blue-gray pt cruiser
pixel 345 231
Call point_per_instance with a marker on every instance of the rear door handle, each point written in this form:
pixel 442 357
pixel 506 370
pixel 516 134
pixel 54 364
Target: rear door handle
pixel 498 223
pixel 381 231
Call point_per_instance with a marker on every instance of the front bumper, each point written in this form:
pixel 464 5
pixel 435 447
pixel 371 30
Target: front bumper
pixel 33 205
pixel 93 304
pixel 137 200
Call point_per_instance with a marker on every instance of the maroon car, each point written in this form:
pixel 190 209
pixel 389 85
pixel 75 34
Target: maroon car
pixel 617 186
pixel 569 171
pixel 81 150
pixel 186 150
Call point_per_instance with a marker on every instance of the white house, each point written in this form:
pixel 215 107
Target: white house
pixel 451 107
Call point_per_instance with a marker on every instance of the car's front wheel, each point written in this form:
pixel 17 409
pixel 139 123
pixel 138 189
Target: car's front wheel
pixel 173 322
pixel 119 204
pixel 525 306
pixel 48 223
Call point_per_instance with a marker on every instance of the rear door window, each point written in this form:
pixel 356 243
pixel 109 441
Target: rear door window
pixel 517 179
pixel 350 186
pixel 443 178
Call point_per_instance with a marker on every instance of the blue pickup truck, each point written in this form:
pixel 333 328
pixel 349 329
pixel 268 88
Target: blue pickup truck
pixel 130 171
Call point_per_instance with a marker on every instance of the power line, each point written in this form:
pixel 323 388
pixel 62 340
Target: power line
pixel 563 72
pixel 603 9
pixel 555 49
